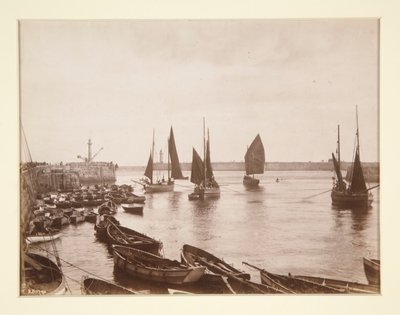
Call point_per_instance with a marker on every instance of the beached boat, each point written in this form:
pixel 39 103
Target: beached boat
pixel 94 286
pixel 43 236
pixel 202 173
pixel 174 169
pixel 120 235
pixel 372 269
pixel 290 284
pixel 254 162
pixel 132 208
pixel 41 276
pixel 147 266
pixel 343 285
pixel 194 256
pixel 355 194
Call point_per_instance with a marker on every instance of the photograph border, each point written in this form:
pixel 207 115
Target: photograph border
pixel 389 98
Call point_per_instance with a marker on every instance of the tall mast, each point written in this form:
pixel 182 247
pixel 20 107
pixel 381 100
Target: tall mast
pixel 204 151
pixel 89 150
pixel 338 145
pixel 152 155
pixel 169 149
pixel 357 133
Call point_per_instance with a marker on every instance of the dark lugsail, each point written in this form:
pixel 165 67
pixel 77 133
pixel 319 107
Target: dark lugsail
pixel 357 179
pixel 197 174
pixel 176 171
pixel 255 157
pixel 338 173
pixel 149 169
pixel 209 171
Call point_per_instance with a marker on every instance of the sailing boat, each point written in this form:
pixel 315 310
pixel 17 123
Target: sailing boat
pixel 356 195
pixel 174 169
pixel 254 162
pixel 202 174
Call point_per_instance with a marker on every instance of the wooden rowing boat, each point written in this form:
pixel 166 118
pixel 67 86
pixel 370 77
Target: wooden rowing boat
pixel 132 208
pixel 41 276
pixel 147 266
pixel 290 284
pixel 43 237
pixel 120 235
pixel 94 286
pixel 101 226
pixel 345 286
pixel 194 256
pixel 372 268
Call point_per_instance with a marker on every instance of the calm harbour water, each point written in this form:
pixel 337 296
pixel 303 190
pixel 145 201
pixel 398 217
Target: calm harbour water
pixel 275 227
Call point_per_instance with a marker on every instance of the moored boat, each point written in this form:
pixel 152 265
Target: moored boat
pixel 120 235
pixel 372 269
pixel 343 285
pixel 194 256
pixel 254 162
pixel 41 276
pixel 95 286
pixel 132 208
pixel 109 207
pixel 147 266
pixel 78 215
pixel 101 226
pixel 290 284
pixel 43 236
pixel 355 194
pixel 91 217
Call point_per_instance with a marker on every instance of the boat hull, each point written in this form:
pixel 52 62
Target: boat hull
pixel 289 284
pixel 157 188
pixel 49 280
pixel 93 286
pixel 42 238
pixel 191 256
pixel 349 200
pixel 136 240
pixel 372 269
pixel 130 208
pixel 346 286
pixel 250 181
pixel 125 259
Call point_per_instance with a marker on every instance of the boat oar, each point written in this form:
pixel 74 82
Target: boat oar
pixel 275 285
pixel 312 196
pixel 127 238
pixel 229 275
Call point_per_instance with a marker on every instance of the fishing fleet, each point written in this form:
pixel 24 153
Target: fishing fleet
pixel 140 256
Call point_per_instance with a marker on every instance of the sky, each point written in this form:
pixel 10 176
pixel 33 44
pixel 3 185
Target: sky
pixel 291 81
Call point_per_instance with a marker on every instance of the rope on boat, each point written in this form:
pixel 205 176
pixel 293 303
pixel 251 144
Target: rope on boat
pixel 312 196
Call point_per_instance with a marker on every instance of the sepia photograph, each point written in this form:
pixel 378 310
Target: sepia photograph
pixel 199 157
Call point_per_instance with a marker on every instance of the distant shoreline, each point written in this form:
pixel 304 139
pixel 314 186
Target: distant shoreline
pixel 269 166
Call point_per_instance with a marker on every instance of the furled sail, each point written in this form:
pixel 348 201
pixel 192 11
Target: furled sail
pixel 149 169
pixel 255 157
pixel 197 174
pixel 176 171
pixel 338 173
pixel 357 179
